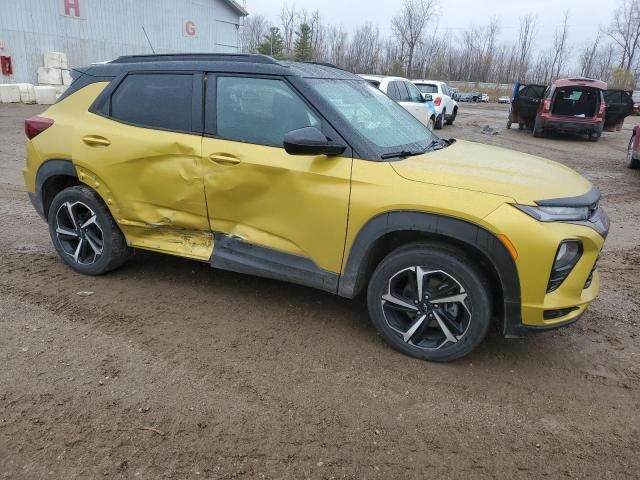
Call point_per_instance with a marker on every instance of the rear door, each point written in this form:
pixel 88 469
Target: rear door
pixel 619 106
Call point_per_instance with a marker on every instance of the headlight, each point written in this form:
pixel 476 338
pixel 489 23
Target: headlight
pixel 556 214
pixel 567 256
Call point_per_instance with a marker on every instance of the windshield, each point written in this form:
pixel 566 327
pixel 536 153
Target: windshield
pixel 382 122
pixel 427 88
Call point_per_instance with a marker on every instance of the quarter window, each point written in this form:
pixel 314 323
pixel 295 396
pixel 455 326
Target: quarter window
pixel 414 93
pixel 162 101
pixel 259 111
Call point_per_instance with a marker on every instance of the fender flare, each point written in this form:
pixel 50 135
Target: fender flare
pixel 51 168
pixel 352 281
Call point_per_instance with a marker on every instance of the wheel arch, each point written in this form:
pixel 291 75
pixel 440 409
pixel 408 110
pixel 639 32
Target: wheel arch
pixel 52 177
pixel 391 230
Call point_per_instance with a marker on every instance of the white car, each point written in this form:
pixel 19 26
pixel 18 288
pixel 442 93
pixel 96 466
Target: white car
pixel 446 106
pixel 485 98
pixel 504 99
pixel 406 94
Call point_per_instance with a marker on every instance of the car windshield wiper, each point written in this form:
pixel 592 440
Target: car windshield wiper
pixel 437 144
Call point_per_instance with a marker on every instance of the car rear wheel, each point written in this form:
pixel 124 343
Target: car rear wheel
pixel 631 162
pixel 594 137
pixel 84 233
pixel 430 303
pixel 440 120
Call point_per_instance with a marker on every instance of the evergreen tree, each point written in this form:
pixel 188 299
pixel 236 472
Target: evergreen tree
pixel 273 44
pixel 303 51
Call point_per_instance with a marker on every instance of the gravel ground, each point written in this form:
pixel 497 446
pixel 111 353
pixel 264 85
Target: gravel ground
pixel 174 370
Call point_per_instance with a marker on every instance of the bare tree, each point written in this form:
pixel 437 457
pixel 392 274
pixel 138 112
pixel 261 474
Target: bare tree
pixel 410 23
pixel 588 58
pixel 288 19
pixel 560 48
pixel 252 33
pixel 363 54
pixel 526 38
pixel 337 41
pixel 624 30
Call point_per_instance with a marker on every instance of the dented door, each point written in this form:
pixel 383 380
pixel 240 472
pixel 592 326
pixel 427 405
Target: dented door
pixel 258 193
pixel 151 179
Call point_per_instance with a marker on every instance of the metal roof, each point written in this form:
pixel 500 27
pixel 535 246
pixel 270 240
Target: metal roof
pixel 237 7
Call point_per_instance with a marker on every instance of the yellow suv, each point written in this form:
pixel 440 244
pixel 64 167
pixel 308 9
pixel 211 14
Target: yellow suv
pixel 305 173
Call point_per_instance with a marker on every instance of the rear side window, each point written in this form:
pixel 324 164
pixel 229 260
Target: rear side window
pixel 414 93
pixel 162 101
pixel 258 110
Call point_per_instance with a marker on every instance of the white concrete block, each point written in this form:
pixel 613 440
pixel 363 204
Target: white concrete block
pixel 66 77
pixel 9 93
pixel 45 94
pixel 27 93
pixel 56 60
pixel 49 76
pixel 60 90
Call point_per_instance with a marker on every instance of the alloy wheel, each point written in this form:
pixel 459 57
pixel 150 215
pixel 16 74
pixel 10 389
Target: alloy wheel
pixel 428 309
pixel 78 232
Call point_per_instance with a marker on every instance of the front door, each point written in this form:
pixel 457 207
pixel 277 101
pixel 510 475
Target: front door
pixel 273 214
pixel 619 106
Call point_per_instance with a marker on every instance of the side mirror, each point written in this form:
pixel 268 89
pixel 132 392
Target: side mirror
pixel 427 97
pixel 311 141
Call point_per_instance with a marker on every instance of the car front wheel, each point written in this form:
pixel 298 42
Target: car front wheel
pixel 84 233
pixel 631 162
pixel 430 303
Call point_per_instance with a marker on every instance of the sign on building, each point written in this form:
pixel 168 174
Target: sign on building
pixel 189 28
pixel 72 8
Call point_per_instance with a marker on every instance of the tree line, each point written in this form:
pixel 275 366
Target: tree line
pixel 418 47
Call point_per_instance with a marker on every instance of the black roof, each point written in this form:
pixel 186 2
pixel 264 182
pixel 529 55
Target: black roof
pixel 218 62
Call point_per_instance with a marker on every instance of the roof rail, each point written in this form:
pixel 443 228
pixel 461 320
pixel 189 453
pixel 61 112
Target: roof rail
pixel 195 57
pixel 325 64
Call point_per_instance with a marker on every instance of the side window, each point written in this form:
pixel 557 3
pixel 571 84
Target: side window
pixel 257 110
pixel 403 94
pixel 414 93
pixel 156 100
pixel 393 92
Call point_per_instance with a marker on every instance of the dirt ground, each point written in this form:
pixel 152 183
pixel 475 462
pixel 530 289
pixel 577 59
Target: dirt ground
pixel 243 377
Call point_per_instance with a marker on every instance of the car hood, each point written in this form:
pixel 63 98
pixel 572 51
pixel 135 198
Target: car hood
pixel 483 168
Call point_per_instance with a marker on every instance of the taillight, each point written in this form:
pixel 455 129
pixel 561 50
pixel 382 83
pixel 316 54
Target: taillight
pixel 437 101
pixel 603 107
pixel 34 126
pixel 546 108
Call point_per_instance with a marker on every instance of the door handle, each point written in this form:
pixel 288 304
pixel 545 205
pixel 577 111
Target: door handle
pixel 223 159
pixel 96 141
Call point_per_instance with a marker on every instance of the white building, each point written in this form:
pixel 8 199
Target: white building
pixel 90 31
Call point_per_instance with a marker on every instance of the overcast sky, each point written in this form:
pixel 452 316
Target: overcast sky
pixel 584 15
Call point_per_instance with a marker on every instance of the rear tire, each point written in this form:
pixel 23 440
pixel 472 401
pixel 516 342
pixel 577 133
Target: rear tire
pixel 440 120
pixel 594 137
pixel 84 233
pixel 631 162
pixel 452 315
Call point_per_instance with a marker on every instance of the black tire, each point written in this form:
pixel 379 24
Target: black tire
pixel 594 137
pixel 440 120
pixel 70 210
pixel 452 118
pixel 521 126
pixel 473 317
pixel 538 132
pixel 631 162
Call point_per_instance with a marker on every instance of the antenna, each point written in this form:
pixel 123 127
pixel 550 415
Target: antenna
pixel 145 34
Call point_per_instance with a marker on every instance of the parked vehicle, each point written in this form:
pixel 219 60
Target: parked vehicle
pixel 446 106
pixel 577 105
pixel 504 99
pixel 468 97
pixel 633 151
pixel 407 95
pixel 485 98
pixel 308 174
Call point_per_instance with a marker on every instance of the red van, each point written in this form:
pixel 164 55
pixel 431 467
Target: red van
pixel 573 105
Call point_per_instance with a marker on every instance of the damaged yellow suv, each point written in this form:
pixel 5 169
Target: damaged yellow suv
pixel 306 173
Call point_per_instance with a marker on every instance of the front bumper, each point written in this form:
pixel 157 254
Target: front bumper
pixel 36 201
pixel 537 244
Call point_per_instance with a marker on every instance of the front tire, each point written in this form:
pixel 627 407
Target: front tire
pixel 631 162
pixel 430 303
pixel 84 233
